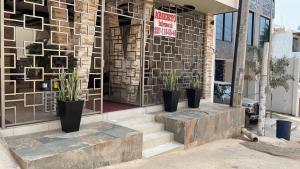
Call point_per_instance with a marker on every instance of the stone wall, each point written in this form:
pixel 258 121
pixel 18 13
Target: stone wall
pixel 185 54
pixel 209 52
pixel 124 54
pixel 70 32
pixel 83 34
pixel 94 146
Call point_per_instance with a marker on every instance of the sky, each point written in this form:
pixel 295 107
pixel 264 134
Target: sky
pixel 287 13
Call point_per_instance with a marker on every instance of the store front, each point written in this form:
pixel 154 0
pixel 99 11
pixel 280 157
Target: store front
pixel 121 61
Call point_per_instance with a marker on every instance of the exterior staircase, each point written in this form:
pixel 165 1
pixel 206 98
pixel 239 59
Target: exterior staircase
pixel 155 139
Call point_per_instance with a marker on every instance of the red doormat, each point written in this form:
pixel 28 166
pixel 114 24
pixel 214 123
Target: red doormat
pixel 109 106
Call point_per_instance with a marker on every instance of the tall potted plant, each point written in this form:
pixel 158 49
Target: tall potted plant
pixel 69 105
pixel 194 93
pixel 170 92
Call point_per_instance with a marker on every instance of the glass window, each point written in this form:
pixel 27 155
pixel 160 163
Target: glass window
pixel 228 27
pixel 220 69
pixel 220 23
pixel 224 27
pixel 264 30
pixel 250 33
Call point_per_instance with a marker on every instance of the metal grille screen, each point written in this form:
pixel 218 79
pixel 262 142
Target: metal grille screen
pixel 184 54
pixel 43 37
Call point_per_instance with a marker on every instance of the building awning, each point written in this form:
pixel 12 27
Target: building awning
pixel 210 6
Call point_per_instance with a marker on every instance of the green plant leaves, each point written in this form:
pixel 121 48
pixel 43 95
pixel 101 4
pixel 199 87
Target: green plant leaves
pixel 170 81
pixel 195 83
pixel 69 88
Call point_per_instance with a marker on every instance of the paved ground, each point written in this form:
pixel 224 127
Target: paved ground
pixel 231 154
pixel 6 160
pixel 224 154
pixel 295 135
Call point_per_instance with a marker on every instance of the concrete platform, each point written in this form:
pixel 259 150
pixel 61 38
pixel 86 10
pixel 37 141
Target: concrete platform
pixel 210 122
pixel 95 145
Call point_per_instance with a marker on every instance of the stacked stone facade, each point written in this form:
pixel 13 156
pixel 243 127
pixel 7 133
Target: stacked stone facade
pixel 185 54
pixel 209 53
pixel 68 34
pixel 83 34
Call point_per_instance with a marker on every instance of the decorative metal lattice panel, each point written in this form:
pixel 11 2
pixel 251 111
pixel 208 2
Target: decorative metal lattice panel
pixel 184 54
pixel 42 38
pixel 123 50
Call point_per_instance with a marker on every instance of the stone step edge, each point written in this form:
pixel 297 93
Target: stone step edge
pixel 162 149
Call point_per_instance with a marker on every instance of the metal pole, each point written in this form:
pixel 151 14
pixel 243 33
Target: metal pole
pixel 2 64
pixel 143 55
pixel 102 50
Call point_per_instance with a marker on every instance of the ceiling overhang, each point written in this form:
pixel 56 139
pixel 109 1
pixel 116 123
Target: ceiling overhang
pixel 210 6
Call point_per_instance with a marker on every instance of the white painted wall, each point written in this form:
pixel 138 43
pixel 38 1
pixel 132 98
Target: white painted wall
pixel 282 42
pixel 287 102
pixel 282 101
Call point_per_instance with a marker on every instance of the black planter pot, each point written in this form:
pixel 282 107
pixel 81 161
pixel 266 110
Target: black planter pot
pixel 170 100
pixel 58 105
pixel 70 115
pixel 194 96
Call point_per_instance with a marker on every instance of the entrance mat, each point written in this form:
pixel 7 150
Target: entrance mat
pixel 109 106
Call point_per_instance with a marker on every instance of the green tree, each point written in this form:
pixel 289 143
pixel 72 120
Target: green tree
pixel 278 76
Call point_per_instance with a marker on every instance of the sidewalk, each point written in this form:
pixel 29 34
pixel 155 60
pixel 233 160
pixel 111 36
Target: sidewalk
pixel 271 126
pixel 295 135
pixel 225 154
pixel 6 160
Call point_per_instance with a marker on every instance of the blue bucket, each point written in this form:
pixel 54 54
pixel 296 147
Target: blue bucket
pixel 283 129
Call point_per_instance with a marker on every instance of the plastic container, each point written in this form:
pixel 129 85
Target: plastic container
pixel 283 129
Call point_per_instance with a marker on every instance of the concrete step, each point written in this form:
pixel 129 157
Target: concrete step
pixel 161 149
pixel 150 127
pixel 155 139
pixel 134 120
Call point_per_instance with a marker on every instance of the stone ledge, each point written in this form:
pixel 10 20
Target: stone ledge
pixel 210 122
pixel 96 145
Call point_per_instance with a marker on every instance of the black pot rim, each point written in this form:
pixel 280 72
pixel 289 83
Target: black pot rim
pixel 165 90
pixel 70 101
pixel 193 89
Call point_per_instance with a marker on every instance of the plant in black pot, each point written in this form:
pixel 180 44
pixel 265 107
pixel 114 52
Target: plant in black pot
pixel 68 103
pixel 194 93
pixel 170 92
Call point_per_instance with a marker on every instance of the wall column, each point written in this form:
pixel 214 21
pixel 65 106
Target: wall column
pixel 240 51
pixel 208 56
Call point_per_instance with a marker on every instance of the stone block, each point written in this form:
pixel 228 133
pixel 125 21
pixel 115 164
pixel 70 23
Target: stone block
pixel 94 146
pixel 211 122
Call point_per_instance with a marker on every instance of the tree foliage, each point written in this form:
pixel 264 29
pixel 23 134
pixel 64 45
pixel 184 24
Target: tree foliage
pixel 278 76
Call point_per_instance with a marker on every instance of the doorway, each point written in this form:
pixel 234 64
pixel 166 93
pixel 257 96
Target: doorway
pixel 123 32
